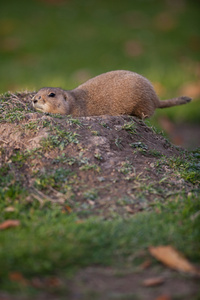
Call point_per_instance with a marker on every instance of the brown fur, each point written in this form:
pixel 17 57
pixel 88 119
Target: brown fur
pixel 112 93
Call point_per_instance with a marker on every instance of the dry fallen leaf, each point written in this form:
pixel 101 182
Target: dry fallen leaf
pixel 153 281
pixel 129 209
pixel 66 208
pixel 18 277
pixel 146 264
pixel 9 223
pixel 173 259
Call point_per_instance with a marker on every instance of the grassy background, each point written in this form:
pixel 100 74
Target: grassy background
pixel 49 242
pixel 63 43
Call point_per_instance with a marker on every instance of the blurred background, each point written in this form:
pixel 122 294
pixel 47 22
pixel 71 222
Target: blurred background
pixel 63 43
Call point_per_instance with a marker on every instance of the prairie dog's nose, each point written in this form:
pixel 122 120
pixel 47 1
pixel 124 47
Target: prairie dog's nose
pixel 35 101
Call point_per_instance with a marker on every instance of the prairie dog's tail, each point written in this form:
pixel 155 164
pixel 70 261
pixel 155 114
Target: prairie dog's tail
pixel 174 101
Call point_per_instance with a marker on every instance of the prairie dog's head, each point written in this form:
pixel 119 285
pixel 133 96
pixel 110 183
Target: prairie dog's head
pixel 51 100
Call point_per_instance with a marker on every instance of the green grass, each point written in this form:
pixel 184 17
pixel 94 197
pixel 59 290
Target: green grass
pixel 62 45
pixel 49 242
pixel 188 167
pixel 131 127
pixel 54 178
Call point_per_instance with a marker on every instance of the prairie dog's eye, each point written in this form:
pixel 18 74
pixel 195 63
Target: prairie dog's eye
pixel 51 95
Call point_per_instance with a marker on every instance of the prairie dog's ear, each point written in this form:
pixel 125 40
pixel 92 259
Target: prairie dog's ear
pixel 65 96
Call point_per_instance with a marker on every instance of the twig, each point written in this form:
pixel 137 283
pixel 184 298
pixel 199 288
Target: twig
pixel 42 194
pixel 38 198
pixel 4 141
pixel 65 197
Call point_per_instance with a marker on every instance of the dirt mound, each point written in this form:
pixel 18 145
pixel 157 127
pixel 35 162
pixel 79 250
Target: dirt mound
pixel 104 165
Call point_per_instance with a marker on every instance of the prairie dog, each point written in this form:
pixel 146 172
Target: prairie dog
pixel 113 93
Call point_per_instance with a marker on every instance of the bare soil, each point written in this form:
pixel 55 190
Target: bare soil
pixel 99 283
